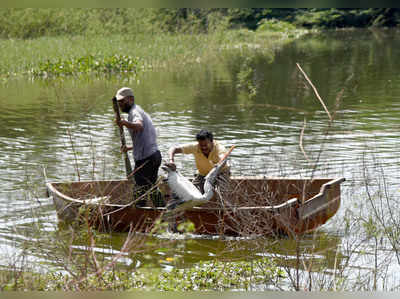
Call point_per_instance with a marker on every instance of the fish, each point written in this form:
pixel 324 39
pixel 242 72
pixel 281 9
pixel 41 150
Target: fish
pixel 183 189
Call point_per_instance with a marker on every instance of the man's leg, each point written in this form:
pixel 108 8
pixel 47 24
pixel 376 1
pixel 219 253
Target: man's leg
pixel 141 182
pixel 146 174
pixel 156 196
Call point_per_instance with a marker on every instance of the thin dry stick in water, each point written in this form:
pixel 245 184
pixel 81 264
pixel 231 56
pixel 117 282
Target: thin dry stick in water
pixel 315 91
pixel 123 251
pixel 331 118
pixel 301 141
pixel 337 102
pixel 129 176
pixel 75 157
pixel 323 105
pixel 302 131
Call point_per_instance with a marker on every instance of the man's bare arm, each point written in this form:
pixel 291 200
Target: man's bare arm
pixel 172 152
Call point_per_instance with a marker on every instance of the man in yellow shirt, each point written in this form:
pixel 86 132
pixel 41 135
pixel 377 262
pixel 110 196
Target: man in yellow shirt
pixel 207 153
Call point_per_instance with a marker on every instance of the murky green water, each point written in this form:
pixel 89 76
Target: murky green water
pixel 66 127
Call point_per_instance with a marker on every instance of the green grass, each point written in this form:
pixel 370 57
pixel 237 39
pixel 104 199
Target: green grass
pixel 36 56
pixel 37 41
pixel 19 56
pixel 203 276
pixel 98 65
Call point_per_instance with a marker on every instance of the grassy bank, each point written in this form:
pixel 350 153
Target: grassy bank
pixel 37 42
pixel 28 57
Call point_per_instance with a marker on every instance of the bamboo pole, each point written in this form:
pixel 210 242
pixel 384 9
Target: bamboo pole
pixel 128 165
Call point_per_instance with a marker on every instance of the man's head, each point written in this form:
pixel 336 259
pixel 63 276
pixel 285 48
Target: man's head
pixel 125 99
pixel 205 140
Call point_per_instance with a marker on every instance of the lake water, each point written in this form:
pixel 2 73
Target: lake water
pixel 65 127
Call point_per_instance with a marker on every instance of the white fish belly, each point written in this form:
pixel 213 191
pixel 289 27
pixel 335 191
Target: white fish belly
pixel 183 188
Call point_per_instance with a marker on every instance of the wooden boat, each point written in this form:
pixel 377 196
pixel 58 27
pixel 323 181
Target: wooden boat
pixel 250 206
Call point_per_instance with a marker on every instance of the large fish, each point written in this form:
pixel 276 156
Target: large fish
pixel 187 194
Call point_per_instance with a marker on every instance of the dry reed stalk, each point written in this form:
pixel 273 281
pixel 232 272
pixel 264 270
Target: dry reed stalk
pixel 100 270
pixel 75 156
pixel 247 222
pixel 331 118
pixel 337 103
pixel 315 91
pixel 301 141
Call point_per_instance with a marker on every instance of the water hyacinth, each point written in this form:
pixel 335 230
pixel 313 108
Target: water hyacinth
pixel 89 64
pixel 221 276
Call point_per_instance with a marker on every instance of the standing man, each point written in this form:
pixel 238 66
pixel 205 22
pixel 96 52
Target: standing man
pixel 144 140
pixel 207 153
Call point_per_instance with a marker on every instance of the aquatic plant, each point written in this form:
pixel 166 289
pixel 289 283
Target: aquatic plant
pixel 219 276
pixel 203 276
pixel 90 64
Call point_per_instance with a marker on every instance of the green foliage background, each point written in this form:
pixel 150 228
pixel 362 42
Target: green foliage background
pixel 36 22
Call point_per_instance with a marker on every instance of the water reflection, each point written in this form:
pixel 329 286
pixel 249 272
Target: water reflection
pixel 168 250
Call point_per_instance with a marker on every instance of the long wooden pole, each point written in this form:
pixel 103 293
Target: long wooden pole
pixel 128 166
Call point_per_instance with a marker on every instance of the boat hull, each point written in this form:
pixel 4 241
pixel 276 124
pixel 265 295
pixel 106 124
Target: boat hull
pixel 250 206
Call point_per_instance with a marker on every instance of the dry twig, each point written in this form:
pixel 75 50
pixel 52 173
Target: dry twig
pixel 315 91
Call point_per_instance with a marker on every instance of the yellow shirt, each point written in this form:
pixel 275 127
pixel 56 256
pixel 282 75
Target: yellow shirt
pixel 205 164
